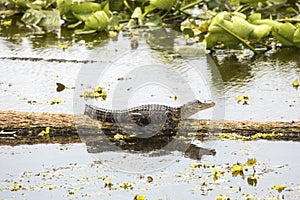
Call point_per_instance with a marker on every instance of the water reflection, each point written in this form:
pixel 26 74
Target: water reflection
pixel 111 139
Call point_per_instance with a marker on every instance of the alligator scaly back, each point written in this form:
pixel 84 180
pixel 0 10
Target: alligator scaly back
pixel 146 114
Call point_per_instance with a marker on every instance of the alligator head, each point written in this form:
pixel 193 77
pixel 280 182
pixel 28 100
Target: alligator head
pixel 193 107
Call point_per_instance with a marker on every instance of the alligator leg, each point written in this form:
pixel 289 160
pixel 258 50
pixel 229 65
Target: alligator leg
pixel 140 119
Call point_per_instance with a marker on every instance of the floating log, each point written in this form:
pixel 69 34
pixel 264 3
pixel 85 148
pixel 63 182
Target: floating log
pixel 27 126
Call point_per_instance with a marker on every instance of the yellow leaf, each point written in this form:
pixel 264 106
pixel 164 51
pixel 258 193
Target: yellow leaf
pixel 239 98
pixel 251 162
pixel 196 165
pixel 126 186
pixel 104 95
pixel 98 89
pixel 63 47
pixel 6 23
pixel 216 174
pixel 279 187
pixel 112 33
pixel 108 184
pixel 140 197
pixel 16 187
pixel 118 136
pixel 222 197
pixel 295 83
pixel 51 187
pixel 237 168
pixel 246 97
pixel 56 101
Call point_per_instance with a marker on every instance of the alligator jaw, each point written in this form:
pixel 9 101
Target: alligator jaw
pixel 193 107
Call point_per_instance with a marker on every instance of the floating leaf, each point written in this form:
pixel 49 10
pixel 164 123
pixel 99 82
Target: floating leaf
pixel 239 98
pixel 222 197
pixel 60 87
pixel 56 101
pixel 149 179
pixel 140 197
pixel 251 162
pixel 295 83
pixel 63 47
pixel 6 23
pixel 16 187
pixel 108 184
pixel 196 165
pixel 126 186
pixel 216 174
pixel 252 180
pixel 71 192
pixel 51 187
pixel 279 187
pixel 237 168
pixel 104 95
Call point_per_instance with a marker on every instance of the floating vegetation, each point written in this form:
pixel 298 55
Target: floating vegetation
pixel 251 24
pixel 257 136
pixel 56 101
pixel 295 83
pixel 279 187
pixel 243 99
pixel 140 197
pixel 98 92
pixel 126 186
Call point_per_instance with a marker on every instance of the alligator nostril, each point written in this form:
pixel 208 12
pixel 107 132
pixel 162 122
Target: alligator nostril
pixel 208 101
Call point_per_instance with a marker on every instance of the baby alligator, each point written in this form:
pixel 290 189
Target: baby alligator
pixel 147 114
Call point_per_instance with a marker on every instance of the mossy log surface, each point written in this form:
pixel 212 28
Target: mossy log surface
pixel 24 127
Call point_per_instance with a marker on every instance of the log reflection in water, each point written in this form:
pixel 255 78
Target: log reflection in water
pixel 110 138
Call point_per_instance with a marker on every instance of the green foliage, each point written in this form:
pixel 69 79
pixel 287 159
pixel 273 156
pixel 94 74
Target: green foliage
pixel 223 24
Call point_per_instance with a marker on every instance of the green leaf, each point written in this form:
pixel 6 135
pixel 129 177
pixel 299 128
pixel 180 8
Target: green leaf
pixel 241 27
pixel 48 19
pixel 287 30
pixel 82 11
pixel 115 5
pixel 254 17
pixel 189 32
pixel 32 17
pixel 229 30
pixel 296 37
pixel 260 31
pixel 154 21
pixel 64 6
pixel 84 32
pixel 137 13
pixel 163 4
pixel 97 21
